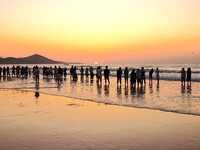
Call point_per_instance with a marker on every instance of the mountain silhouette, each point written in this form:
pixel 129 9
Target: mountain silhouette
pixel 33 59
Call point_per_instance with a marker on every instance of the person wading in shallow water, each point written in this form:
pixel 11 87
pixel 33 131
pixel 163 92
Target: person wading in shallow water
pixel 71 72
pixel 138 76
pixel 126 74
pixel 157 76
pixel 106 75
pixel 143 77
pixel 99 75
pixel 133 78
pixel 183 75
pixel 189 78
pixel 119 76
pixel 151 77
pixel 37 75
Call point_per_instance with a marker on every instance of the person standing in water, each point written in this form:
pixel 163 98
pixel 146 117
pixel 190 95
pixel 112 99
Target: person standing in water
pixel 13 71
pixel 91 73
pixel 157 76
pixel 126 74
pixel 138 76
pixel 86 72
pixel 8 71
pixel 183 75
pixel 65 72
pixel 4 71
pixel 75 76
pixel 82 72
pixel 106 75
pixel 143 77
pixel 189 78
pixel 119 76
pixel 37 74
pixel 99 75
pixel 133 78
pixel 71 72
pixel 151 77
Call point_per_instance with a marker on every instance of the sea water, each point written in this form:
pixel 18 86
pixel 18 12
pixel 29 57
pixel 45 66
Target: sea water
pixel 169 95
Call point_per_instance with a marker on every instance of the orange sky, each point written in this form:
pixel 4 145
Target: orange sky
pixel 103 31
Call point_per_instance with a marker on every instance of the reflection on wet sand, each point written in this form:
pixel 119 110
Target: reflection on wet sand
pixel 186 91
pixel 99 89
pixel 119 90
pixel 37 95
pixel 126 90
pixel 106 89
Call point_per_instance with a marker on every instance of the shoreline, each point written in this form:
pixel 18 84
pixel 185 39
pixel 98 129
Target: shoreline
pixel 98 102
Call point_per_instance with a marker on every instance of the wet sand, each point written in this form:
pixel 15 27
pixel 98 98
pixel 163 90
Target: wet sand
pixel 54 122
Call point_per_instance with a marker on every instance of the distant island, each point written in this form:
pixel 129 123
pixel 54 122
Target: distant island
pixel 33 59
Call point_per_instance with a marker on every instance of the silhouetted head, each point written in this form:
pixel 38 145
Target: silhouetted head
pixel 126 68
pixel 120 68
pixel 133 70
pixel 142 68
pixel 106 67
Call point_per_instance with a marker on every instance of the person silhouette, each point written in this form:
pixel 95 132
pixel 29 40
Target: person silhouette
pixel 82 72
pixel 157 76
pixel 126 74
pixel 151 77
pixel 99 75
pixel 75 76
pixel 8 71
pixel 119 76
pixel 189 78
pixel 133 78
pixel 91 73
pixel 71 72
pixel 37 74
pixel 4 71
pixel 138 76
pixel 143 77
pixel 86 72
pixel 106 75
pixel 183 75
pixel 65 72
pixel 13 71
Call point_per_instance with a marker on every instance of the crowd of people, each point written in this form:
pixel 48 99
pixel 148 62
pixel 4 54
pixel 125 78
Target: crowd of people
pixel 137 76
pixel 18 71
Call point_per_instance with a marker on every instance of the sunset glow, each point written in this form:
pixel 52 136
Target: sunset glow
pixel 102 31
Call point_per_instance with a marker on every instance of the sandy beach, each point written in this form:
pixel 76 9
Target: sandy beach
pixel 54 122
